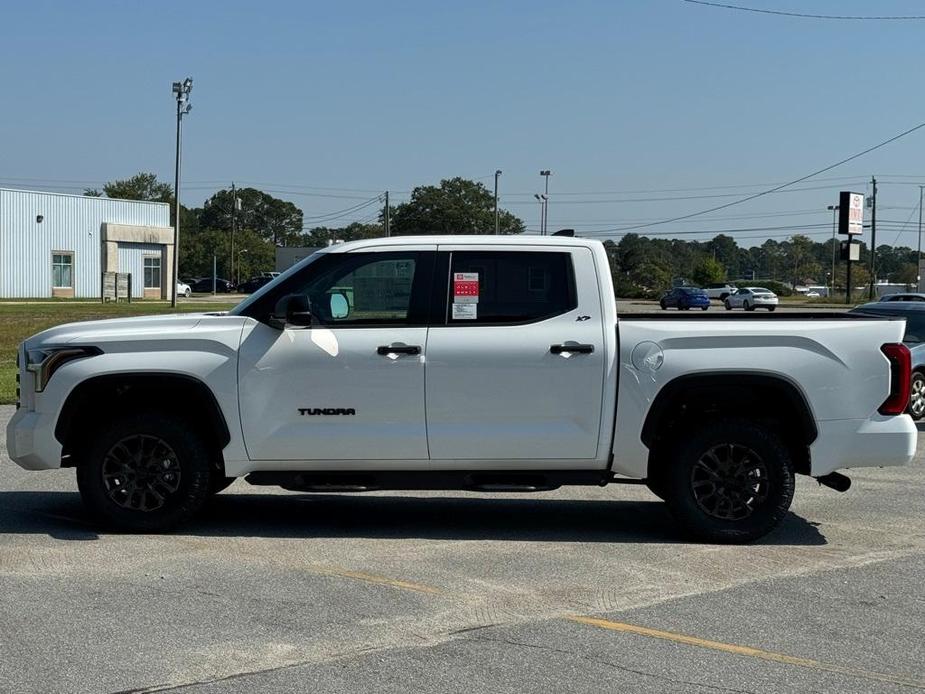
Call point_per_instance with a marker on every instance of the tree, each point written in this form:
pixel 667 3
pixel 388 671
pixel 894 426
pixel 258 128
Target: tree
pixel 708 271
pixel 322 236
pixel 456 206
pixel 277 221
pixel 141 186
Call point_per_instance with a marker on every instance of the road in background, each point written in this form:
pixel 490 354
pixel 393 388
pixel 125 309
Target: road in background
pixel 580 589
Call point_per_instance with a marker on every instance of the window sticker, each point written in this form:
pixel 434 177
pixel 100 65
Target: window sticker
pixel 466 288
pixel 465 311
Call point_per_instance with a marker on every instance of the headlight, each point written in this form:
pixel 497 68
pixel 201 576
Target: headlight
pixel 45 361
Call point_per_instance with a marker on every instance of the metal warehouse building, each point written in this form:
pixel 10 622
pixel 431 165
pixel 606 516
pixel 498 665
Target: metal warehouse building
pixel 56 245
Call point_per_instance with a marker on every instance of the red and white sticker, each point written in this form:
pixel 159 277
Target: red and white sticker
pixel 465 287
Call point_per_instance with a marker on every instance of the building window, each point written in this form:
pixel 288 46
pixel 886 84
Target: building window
pixel 62 270
pixel 152 272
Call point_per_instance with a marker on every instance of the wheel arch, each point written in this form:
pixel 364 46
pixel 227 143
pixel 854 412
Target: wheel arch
pixel 765 397
pixel 100 396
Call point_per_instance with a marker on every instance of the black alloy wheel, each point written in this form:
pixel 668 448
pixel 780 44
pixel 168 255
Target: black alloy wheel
pixel 146 472
pixel 141 472
pixel 730 480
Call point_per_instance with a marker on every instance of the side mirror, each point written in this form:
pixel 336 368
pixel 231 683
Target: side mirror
pixel 293 309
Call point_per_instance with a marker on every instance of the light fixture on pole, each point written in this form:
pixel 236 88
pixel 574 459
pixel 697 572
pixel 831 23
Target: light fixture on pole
pixel 182 91
pixel 834 210
pixel 497 221
pixel 546 173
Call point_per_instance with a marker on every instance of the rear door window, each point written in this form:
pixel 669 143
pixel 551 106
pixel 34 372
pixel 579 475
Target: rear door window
pixel 509 287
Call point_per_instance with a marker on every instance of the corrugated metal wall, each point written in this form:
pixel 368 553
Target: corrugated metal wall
pixel 131 259
pixel 70 223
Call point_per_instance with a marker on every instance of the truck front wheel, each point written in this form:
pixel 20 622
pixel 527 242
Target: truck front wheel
pixel 145 472
pixel 731 481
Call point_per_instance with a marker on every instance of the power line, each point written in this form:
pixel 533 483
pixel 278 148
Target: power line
pixel 786 185
pixel 804 15
pixel 684 197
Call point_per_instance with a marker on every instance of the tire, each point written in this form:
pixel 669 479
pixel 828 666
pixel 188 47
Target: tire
pixel 746 306
pixel 187 293
pixel 704 308
pixel 663 305
pixel 157 500
pixel 712 513
pixel 727 305
pixel 917 396
pixel 771 309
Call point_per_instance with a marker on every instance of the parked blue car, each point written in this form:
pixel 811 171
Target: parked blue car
pixel 684 298
pixel 914 339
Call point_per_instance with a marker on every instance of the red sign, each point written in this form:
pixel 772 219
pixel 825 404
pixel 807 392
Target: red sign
pixel 466 287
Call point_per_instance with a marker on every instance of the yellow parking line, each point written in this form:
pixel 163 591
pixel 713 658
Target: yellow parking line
pixel 379 580
pixel 748 651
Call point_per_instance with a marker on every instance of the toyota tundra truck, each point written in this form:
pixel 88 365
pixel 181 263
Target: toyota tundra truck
pixel 489 364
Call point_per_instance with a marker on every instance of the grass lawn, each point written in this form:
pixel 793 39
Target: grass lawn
pixel 20 320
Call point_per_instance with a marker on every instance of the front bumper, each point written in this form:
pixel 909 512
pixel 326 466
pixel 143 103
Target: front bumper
pixel 31 442
pixel 876 442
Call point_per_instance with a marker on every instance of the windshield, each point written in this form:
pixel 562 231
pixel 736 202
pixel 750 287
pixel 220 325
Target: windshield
pixel 693 291
pixel 241 308
pixel 759 290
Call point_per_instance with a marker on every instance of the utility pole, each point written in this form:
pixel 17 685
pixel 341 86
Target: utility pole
pixel 497 220
pixel 834 209
pixel 545 173
pixel 182 91
pixel 873 238
pixel 918 253
pixel 234 207
pixel 388 226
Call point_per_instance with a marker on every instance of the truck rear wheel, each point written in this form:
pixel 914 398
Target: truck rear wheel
pixel 145 472
pixel 731 481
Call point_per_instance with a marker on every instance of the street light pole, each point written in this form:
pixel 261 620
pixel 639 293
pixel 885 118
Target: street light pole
pixel 497 220
pixel 545 173
pixel 182 91
pixel 918 253
pixel 834 209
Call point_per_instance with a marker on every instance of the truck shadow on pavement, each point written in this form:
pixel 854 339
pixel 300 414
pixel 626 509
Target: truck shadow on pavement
pixel 61 515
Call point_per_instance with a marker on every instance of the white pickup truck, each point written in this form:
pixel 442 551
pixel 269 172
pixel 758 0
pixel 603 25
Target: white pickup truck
pixel 461 362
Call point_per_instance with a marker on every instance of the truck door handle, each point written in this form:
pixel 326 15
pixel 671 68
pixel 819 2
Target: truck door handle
pixel 580 349
pixel 398 349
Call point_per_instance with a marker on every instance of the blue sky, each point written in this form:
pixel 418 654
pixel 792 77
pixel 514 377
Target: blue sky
pixel 620 99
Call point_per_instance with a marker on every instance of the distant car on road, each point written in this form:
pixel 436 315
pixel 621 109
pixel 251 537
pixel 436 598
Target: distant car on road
pixel 204 285
pixel 914 312
pixel 903 296
pixel 685 298
pixel 253 284
pixel 183 289
pixel 751 298
pixel 719 291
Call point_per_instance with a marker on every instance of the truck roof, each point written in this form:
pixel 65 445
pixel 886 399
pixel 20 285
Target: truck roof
pixel 462 240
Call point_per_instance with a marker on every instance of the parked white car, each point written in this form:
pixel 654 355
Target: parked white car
pixel 183 289
pixel 751 298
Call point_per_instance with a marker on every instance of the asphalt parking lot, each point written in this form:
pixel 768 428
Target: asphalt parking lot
pixel 581 589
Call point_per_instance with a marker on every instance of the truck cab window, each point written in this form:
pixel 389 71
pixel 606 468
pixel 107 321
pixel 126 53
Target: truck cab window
pixel 509 287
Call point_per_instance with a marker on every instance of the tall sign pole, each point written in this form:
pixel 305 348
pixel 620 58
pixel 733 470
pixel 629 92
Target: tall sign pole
pixel 850 223
pixel 873 237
